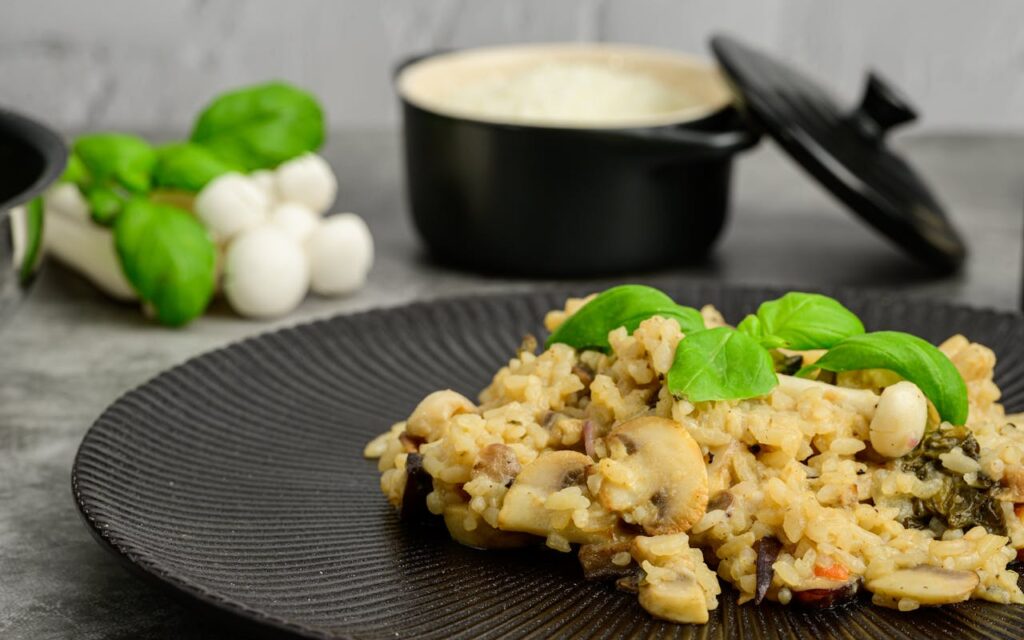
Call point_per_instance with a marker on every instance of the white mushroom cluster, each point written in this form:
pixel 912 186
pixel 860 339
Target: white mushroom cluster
pixel 270 225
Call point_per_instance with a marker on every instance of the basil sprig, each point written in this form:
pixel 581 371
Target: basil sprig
pixel 801 321
pixel 734 364
pixel 623 306
pixel 912 358
pixel 164 251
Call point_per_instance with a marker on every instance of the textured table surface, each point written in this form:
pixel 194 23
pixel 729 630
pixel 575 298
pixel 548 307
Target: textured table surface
pixel 68 352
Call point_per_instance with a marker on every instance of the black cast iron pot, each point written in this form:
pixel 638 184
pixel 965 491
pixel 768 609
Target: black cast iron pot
pixel 568 198
pixel 31 157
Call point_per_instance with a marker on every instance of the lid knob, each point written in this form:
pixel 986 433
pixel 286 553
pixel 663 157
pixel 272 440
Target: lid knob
pixel 881 108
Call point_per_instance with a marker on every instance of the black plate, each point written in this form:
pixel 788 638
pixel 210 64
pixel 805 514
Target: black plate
pixel 237 479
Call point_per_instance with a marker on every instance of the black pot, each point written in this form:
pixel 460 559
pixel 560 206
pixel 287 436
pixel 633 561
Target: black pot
pixel 567 200
pixel 31 157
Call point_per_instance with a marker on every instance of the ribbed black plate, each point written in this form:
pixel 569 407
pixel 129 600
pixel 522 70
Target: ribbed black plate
pixel 237 478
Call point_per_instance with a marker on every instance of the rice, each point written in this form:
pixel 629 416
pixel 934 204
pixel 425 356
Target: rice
pixel 795 466
pixel 568 91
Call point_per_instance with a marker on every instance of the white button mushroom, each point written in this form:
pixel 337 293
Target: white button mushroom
pixel 307 180
pixel 340 254
pixel 266 273
pixel 65 199
pixel 230 204
pixel 297 220
pixel 899 421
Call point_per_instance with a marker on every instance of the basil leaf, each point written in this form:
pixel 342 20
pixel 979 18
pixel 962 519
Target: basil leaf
pixel 105 204
pixel 623 306
pixel 262 126
pixel 911 357
pixel 751 325
pixel 168 257
pixel 803 321
pixel 187 166
pixel 117 158
pixel 33 238
pixel 75 171
pixel 721 364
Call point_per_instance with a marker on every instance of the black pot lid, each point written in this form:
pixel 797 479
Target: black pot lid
pixel 845 150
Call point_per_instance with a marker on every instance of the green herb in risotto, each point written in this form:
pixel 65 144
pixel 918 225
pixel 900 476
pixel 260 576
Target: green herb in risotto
pixel 672 451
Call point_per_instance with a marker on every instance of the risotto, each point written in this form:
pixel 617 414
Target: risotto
pixel 830 483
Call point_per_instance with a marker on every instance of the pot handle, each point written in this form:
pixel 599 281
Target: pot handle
pixel 683 141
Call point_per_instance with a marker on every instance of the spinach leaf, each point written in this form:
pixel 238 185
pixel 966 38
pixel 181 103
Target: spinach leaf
pixel 623 306
pixel 800 321
pixel 168 257
pixel 911 357
pixel 262 126
pixel 187 166
pixel 721 364
pixel 116 158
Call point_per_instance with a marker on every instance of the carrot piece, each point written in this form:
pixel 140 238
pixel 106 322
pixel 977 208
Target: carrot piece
pixel 835 571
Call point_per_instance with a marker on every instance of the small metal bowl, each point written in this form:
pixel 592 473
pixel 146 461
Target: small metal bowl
pixel 31 157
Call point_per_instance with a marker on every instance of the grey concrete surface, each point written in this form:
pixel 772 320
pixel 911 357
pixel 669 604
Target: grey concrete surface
pixel 84 65
pixel 68 352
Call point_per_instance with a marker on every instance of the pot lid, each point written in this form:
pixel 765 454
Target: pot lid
pixel 845 150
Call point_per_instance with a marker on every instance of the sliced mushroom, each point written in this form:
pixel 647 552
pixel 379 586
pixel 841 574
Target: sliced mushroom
pixel 499 463
pixel 484 536
pixel 410 443
pixel 861 400
pixel 828 598
pixel 524 506
pixel 767 552
pixel 678 600
pixel 418 484
pixel 661 481
pixel 431 416
pixel 926 584
pixel 721 501
pixel 599 560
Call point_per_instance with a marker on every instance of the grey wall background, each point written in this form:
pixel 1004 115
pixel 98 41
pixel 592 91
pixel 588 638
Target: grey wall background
pixel 149 65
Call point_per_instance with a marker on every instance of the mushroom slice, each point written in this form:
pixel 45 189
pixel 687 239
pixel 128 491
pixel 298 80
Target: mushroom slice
pixel 678 600
pixel 654 475
pixel 498 462
pixel 525 505
pixel 483 535
pixel 430 418
pixel 926 584
pixel 604 560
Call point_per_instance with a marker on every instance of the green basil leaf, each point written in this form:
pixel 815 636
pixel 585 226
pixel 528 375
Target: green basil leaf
pixel 75 171
pixel 33 238
pixel 168 257
pixel 187 166
pixel 262 126
pixel 912 358
pixel 805 321
pixel 721 364
pixel 623 306
pixel 105 204
pixel 117 158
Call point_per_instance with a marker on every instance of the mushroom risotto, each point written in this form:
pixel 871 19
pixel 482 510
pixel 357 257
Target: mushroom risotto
pixel 795 456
